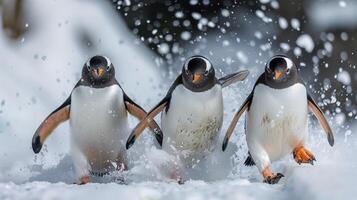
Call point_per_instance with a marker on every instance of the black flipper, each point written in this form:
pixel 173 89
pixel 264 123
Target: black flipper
pixel 321 117
pixel 249 161
pixel 233 78
pixel 234 122
pixel 140 113
pixel 164 103
pixel 58 116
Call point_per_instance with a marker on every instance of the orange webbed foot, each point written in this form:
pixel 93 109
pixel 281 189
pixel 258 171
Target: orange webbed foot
pixel 302 155
pixel 84 180
pixel 271 178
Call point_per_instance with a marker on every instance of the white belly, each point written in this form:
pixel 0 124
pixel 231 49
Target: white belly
pixel 277 120
pixel 98 122
pixel 193 122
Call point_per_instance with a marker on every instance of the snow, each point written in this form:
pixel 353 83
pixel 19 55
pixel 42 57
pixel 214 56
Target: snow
pixel 283 23
pixel 179 14
pixel 333 14
pixel 225 13
pixel 285 46
pixel 344 36
pixel 297 51
pixel 193 2
pixel 196 15
pixel 275 4
pixel 342 4
pixel 261 15
pixel 340 117
pixel 305 41
pixel 36 78
pixel 242 57
pixel 258 35
pixel 163 48
pixel 295 23
pixel 332 177
pixel 264 1
pixel 344 55
pixel 328 47
pixel 344 77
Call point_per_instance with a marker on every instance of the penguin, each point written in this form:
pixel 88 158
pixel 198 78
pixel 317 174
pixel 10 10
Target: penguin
pixel 192 112
pixel 97 112
pixel 277 118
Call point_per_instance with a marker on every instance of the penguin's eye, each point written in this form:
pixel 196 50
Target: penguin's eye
pixel 89 68
pixel 288 71
pixel 206 73
pixel 108 68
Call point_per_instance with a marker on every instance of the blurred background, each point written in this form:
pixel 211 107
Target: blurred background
pixel 318 34
pixel 44 44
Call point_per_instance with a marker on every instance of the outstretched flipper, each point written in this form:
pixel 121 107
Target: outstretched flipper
pixel 232 78
pixel 58 116
pixel 249 161
pixel 320 116
pixel 140 113
pixel 234 122
pixel 142 125
pixel 165 102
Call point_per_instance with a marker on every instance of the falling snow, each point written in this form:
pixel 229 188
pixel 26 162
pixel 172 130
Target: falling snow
pixel 283 23
pixel 234 38
pixel 305 41
pixel 344 77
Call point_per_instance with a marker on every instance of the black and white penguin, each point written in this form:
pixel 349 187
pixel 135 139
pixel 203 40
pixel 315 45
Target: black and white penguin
pixel 277 118
pixel 97 112
pixel 192 111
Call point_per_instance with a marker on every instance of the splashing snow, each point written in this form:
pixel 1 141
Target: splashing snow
pixel 305 41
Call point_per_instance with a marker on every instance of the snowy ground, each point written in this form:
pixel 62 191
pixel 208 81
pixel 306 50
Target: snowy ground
pixel 35 80
pixel 333 177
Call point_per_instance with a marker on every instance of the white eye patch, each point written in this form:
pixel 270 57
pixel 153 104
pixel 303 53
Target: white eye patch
pixel 289 63
pixel 88 62
pixel 208 65
pixel 108 61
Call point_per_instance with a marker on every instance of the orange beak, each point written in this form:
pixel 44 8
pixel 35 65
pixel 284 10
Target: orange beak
pixel 98 72
pixel 278 75
pixel 196 78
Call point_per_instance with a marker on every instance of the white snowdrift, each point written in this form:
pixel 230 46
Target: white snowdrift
pixel 38 74
pixel 332 177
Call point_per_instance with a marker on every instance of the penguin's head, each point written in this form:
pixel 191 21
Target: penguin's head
pixel 198 74
pixel 280 69
pixel 98 70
